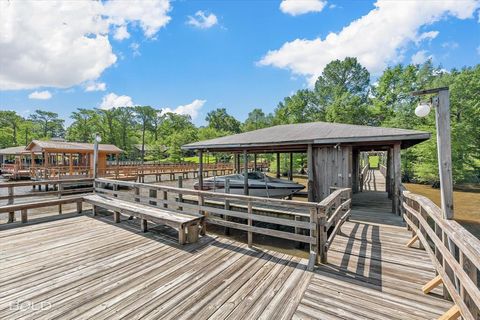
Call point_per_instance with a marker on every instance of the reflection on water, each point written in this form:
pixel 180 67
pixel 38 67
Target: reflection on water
pixel 466 205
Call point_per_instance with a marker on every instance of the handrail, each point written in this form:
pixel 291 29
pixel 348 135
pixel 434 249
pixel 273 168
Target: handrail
pixel 306 226
pixel 363 174
pixel 12 196
pixel 333 211
pixel 455 253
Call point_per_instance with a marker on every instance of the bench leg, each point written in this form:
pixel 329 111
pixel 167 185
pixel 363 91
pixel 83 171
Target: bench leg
pixel 94 210
pixel 181 235
pixel 79 207
pixel 143 225
pixel 192 235
pixel 116 216
pixel 24 216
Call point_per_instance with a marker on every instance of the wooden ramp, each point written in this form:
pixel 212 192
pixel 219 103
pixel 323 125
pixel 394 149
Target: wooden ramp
pixel 371 274
pixel 90 268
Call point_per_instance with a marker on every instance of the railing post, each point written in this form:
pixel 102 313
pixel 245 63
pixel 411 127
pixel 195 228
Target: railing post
pixel 180 196
pixel 227 204
pixel 152 193
pixel 314 234
pixel 250 235
pixel 60 190
pixel 11 215
pixel 322 234
pixel 201 202
pixel 165 198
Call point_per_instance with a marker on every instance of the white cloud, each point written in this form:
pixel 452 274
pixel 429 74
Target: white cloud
pixel 40 95
pixel 191 109
pixel 202 20
pixel 298 7
pixel 150 14
pixel 121 33
pixel 95 86
pixel 135 48
pixel 450 45
pixel 65 43
pixel 430 35
pixel 112 100
pixel 420 57
pixel 376 39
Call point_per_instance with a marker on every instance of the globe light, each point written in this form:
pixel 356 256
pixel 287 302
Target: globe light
pixel 423 109
pixel 98 138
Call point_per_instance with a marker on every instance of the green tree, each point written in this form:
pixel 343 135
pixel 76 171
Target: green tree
pixel 298 108
pixel 257 120
pixel 340 77
pixel 12 121
pixel 85 124
pixel 49 123
pixel 175 131
pixel 219 119
pixel 144 116
pixel 126 124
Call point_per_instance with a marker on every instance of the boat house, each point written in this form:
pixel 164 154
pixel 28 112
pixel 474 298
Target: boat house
pixel 62 158
pixel 333 151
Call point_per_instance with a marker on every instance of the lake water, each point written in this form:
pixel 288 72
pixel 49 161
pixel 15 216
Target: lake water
pixel 466 205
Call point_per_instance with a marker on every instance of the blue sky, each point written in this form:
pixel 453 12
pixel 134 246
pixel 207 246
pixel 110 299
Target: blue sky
pixel 252 54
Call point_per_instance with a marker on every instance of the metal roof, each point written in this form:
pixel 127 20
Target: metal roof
pixel 317 133
pixel 62 146
pixel 13 150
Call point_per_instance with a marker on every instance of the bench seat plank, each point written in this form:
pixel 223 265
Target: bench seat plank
pixel 175 220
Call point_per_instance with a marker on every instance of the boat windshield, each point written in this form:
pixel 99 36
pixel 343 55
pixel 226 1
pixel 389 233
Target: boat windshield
pixel 255 175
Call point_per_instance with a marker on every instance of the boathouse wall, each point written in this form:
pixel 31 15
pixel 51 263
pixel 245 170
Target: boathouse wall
pixel 332 168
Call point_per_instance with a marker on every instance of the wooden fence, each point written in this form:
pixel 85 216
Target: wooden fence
pixel 136 172
pixel 312 223
pixel 19 190
pixel 455 253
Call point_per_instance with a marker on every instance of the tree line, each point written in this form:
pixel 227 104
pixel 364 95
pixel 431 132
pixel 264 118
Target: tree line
pixel 342 93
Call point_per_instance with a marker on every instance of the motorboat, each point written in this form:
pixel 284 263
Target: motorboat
pixel 259 185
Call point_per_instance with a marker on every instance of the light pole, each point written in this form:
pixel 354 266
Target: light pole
pixel 441 103
pixel 96 141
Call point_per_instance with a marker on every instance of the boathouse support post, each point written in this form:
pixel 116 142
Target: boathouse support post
pixel 245 177
pixel 397 178
pixel 388 182
pixel 311 195
pixel 200 169
pixel 355 169
pixel 278 165
pixel 254 162
pixel 290 170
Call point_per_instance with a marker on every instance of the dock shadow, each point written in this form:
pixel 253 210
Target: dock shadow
pixel 357 262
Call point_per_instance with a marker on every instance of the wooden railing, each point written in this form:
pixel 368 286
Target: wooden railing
pixel 312 223
pixel 135 171
pixel 383 169
pixel 333 211
pixel 455 254
pixel 363 175
pixel 20 190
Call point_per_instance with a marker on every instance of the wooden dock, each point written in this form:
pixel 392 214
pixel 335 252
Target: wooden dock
pixel 90 268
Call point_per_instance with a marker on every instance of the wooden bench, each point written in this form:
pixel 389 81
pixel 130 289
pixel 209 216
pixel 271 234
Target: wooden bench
pixel 188 226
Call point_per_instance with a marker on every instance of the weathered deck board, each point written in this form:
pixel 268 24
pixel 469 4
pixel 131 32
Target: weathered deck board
pixel 91 268
pixel 370 273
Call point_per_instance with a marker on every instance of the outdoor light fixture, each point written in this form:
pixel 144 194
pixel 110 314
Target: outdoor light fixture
pixel 98 138
pixel 441 103
pixel 423 109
